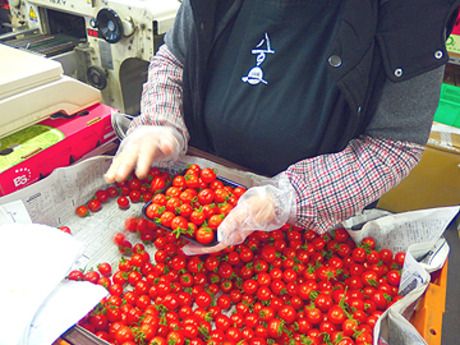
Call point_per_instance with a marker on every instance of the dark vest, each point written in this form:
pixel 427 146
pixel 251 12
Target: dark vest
pixel 376 40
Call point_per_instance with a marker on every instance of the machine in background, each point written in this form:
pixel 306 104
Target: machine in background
pixel 107 44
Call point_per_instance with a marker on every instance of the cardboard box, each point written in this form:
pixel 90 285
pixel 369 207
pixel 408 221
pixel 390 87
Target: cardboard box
pixel 34 152
pixel 435 181
pixel 453 43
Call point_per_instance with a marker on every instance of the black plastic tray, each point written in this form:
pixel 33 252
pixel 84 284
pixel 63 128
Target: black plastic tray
pixel 225 181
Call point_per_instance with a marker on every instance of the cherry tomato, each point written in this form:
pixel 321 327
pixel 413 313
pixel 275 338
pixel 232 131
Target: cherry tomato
pixel 288 314
pixel 204 235
pixel 393 277
pixel 215 220
pixel 158 183
pixel 105 269
pixel 123 202
pixel 399 258
pixel 135 196
pixel 102 196
pixel 166 218
pixel 206 196
pixel 197 217
pixel 368 242
pixel 112 192
pixel 65 229
pixel 75 275
pixel 178 181
pixel 82 211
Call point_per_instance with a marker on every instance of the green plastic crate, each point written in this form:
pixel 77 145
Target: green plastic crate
pixel 448 111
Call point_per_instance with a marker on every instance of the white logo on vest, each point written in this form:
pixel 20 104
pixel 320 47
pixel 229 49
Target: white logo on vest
pixel 255 75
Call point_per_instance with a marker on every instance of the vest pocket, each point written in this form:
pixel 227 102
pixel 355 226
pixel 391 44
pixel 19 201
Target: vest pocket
pixel 411 36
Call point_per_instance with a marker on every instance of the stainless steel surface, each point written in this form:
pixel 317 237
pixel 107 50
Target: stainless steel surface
pixel 80 336
pixel 47 45
pixel 11 35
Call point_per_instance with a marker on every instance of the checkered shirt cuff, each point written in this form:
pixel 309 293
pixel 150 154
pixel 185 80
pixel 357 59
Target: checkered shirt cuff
pixel 333 187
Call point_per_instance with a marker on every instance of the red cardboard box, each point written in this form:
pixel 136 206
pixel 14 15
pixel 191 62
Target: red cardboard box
pixel 34 152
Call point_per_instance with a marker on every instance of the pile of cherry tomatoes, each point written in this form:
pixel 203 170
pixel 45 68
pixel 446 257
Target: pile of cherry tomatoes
pixel 288 286
pixel 194 205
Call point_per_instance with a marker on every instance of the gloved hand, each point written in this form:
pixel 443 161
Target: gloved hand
pixel 141 148
pixel 265 208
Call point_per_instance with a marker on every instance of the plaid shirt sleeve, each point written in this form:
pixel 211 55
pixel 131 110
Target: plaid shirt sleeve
pixel 333 187
pixel 161 103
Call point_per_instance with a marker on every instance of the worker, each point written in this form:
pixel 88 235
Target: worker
pixel 333 100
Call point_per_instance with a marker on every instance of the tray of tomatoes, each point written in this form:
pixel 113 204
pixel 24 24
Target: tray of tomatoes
pixel 194 204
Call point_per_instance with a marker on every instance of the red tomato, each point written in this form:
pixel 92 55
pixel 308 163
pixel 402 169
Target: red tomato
pixel 173 203
pixel 105 269
pixel 197 217
pixel 102 196
pixel 123 202
pixel 349 327
pixel 238 191
pixel 215 220
pixel 288 314
pixel 209 210
pixel 188 196
pixel 208 175
pixel 206 196
pixel 359 254
pixel 158 183
pixel 65 229
pixel 134 184
pixel 159 199
pixel 119 238
pixel 131 224
pixel 399 258
pixel 313 315
pixel 324 302
pixel 221 195
pixel 135 196
pixel 336 315
pixel 82 211
pixel 154 211
pixel 194 168
pixel 216 185
pixel 204 235
pixel 368 242
pixel 250 286
pixel 185 210
pixel 381 300
pixel 203 300
pixel 91 276
pixel 370 278
pixel 124 334
pixel 225 208
pixel 393 277
pixel 179 222
pixel 75 275
pixel 191 181
pixel 173 191
pixel 386 255
pixel 178 181
pixel 166 218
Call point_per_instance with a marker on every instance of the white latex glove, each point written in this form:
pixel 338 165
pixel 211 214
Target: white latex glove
pixel 141 148
pixel 263 208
